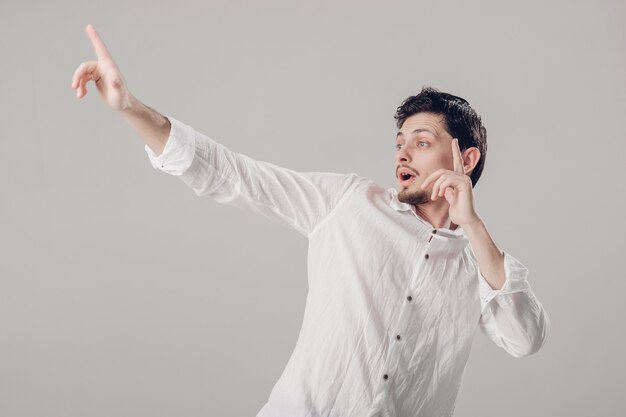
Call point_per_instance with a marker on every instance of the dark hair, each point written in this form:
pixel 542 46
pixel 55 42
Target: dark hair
pixel 460 120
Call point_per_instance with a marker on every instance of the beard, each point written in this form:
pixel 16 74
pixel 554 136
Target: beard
pixel 413 197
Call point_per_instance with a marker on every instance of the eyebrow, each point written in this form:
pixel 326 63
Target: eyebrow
pixel 416 131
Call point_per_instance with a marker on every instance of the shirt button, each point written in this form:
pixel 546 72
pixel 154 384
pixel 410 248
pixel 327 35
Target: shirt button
pixel 434 231
pixel 426 256
pixel 398 337
pixel 409 297
pixel 385 376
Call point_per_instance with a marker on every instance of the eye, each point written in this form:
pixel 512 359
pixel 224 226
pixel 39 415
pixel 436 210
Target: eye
pixel 398 145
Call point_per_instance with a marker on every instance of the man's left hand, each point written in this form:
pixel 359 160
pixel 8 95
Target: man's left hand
pixel 456 187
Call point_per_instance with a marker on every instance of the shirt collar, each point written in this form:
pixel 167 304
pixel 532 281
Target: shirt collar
pixel 400 206
pixel 397 204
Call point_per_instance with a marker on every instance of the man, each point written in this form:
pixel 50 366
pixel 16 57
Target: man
pixel 399 280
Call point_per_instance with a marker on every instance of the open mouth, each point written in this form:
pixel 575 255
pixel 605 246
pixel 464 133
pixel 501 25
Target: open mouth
pixel 405 176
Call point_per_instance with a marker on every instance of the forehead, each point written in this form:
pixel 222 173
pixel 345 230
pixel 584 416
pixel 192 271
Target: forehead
pixel 428 122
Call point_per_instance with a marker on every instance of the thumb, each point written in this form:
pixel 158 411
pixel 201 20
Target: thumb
pixel 86 69
pixel 88 72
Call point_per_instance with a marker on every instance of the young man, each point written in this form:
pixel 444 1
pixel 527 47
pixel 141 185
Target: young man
pixel 399 280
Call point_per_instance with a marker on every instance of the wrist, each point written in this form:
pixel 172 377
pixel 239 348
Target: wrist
pixel 129 104
pixel 475 223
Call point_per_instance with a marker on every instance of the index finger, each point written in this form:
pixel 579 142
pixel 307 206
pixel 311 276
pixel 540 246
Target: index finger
pixel 98 45
pixel 457 158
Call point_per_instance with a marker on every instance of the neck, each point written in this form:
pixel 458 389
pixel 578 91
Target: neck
pixel 435 214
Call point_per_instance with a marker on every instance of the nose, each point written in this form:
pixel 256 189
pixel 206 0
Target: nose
pixel 402 156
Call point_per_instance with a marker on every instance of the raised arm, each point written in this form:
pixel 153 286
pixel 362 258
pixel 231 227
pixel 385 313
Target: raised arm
pixel 300 200
pixel 151 126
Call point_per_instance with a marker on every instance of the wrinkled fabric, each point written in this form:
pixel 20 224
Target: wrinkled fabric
pixel 393 302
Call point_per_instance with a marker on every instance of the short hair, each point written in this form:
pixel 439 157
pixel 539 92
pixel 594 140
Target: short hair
pixel 460 120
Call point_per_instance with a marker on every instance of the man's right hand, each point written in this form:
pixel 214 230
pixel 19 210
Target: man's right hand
pixel 105 73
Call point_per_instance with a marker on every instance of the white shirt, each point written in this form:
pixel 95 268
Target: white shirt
pixel 393 303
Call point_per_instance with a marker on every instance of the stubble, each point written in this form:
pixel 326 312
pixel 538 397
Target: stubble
pixel 413 197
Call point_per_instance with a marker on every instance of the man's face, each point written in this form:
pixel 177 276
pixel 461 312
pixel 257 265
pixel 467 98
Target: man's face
pixel 423 146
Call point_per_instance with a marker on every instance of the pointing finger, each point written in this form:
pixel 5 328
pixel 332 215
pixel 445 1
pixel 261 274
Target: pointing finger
pixel 101 50
pixel 457 157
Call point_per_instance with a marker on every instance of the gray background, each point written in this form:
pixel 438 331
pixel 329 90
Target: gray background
pixel 122 293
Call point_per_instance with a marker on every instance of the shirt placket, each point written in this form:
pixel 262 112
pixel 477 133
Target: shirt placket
pixel 393 372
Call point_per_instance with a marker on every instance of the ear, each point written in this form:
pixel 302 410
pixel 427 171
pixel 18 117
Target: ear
pixel 470 156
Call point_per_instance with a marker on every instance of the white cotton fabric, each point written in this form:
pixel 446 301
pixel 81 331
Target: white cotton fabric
pixel 393 303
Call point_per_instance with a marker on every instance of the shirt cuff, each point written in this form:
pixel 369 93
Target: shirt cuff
pixel 516 281
pixel 179 149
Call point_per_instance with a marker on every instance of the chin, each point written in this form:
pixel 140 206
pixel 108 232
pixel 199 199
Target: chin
pixel 413 195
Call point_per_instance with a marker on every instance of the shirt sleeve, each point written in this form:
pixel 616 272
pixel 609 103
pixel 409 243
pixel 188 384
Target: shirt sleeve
pixel 300 200
pixel 512 317
pixel 178 152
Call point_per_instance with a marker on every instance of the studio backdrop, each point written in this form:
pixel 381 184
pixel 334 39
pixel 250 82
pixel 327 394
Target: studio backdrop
pixel 123 293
